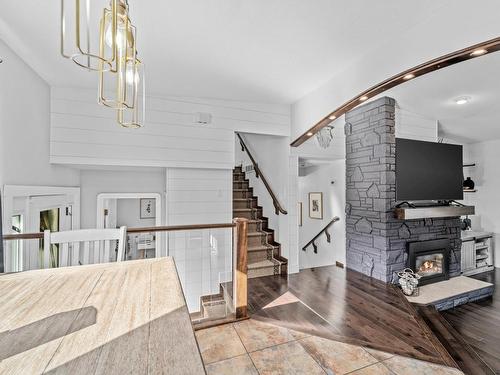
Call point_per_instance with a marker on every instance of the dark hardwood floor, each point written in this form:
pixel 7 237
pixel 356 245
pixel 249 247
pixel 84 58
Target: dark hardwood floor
pixel 479 323
pixel 346 306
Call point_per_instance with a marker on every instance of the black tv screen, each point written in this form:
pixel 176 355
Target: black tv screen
pixel 428 171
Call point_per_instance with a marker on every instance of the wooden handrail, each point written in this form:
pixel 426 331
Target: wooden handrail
pixel 258 173
pixel 324 230
pixel 39 236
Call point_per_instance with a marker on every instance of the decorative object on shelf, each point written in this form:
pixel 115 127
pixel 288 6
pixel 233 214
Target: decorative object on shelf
pixel 148 208
pixel 469 184
pixel 466 223
pixel 316 205
pixel 409 282
pixel 325 136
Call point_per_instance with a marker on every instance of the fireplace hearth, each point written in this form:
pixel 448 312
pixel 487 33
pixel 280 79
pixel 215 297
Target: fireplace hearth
pixel 430 259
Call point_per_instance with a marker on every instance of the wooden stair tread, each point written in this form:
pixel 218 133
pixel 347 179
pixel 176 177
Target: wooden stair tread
pixel 256 234
pixel 260 248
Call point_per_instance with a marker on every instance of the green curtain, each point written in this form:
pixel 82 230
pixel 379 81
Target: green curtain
pixel 49 219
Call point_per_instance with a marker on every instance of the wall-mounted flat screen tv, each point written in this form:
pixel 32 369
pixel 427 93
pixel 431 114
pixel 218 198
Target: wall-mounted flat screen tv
pixel 428 171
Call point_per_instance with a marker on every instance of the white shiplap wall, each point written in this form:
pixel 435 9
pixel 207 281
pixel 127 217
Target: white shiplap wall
pixel 82 132
pixel 411 125
pixel 203 257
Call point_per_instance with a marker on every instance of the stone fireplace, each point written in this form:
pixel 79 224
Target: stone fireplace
pixel 430 260
pixel 377 243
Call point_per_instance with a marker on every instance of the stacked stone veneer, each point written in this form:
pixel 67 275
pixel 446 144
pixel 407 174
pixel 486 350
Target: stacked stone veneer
pixel 376 241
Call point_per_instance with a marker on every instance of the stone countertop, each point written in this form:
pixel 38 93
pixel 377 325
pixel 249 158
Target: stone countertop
pixel 113 318
pixel 469 235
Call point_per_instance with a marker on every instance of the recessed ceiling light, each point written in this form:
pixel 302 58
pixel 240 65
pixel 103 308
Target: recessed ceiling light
pixel 309 134
pixel 409 76
pixel 332 117
pixel 363 98
pixel 462 100
pixel 479 52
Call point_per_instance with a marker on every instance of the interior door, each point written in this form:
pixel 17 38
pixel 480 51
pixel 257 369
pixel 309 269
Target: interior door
pixel 52 212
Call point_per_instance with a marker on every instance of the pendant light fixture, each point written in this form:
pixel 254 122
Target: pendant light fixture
pixel 122 90
pixel 80 33
pixel 108 47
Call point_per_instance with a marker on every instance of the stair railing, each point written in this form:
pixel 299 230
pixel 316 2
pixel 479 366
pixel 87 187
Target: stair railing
pixel 239 282
pixel 258 173
pixel 325 231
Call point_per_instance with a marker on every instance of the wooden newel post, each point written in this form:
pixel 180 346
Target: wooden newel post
pixel 240 269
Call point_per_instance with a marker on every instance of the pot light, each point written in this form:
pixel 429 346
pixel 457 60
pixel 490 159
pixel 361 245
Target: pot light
pixel 363 98
pixel 479 52
pixel 332 117
pixel 309 134
pixel 462 100
pixel 409 76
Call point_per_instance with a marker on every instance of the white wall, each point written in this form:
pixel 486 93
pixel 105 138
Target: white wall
pixel 94 182
pixel 440 33
pixel 85 133
pixel 486 176
pixel 128 214
pixel 25 127
pixel 320 180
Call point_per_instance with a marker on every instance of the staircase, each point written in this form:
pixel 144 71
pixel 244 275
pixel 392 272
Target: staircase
pixel 264 253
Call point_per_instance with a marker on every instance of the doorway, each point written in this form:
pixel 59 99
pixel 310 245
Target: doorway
pixel 32 209
pixel 134 210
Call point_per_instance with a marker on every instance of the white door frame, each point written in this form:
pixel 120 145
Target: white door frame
pixel 10 192
pixel 159 212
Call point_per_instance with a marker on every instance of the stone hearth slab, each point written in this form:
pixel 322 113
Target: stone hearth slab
pixel 456 291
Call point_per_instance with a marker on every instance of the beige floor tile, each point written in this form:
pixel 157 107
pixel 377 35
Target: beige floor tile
pixel 289 358
pixel 376 369
pixel 409 366
pixel 380 355
pixel 336 357
pixel 241 365
pixel 257 335
pixel 219 343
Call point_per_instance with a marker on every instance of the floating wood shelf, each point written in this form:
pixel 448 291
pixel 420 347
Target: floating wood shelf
pixel 469 165
pixel 470 190
pixel 431 212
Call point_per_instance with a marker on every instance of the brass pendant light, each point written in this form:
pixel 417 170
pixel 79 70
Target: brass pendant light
pixel 114 56
pixel 79 41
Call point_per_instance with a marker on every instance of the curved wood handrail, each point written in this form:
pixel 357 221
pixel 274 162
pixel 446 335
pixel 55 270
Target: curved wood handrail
pixel 39 236
pixel 258 173
pixel 324 230
pixel 441 62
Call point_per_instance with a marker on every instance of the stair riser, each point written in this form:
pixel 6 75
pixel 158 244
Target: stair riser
pixel 240 185
pixel 260 272
pixel 257 226
pixel 257 256
pixel 249 203
pixel 251 215
pixel 243 194
pixel 239 177
pixel 256 240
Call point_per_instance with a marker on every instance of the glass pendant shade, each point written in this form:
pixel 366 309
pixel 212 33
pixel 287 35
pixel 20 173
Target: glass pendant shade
pixel 81 32
pixel 135 79
pixel 119 89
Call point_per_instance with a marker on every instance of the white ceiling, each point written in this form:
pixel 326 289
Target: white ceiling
pixel 433 95
pixel 257 50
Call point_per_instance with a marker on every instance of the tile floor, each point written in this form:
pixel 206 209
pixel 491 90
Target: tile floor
pixel 254 347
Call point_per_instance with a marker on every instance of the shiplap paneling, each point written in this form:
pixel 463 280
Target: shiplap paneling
pixel 82 132
pixel 411 125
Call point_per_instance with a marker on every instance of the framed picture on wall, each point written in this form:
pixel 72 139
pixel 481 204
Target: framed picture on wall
pixel 148 208
pixel 316 205
pixel 299 213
